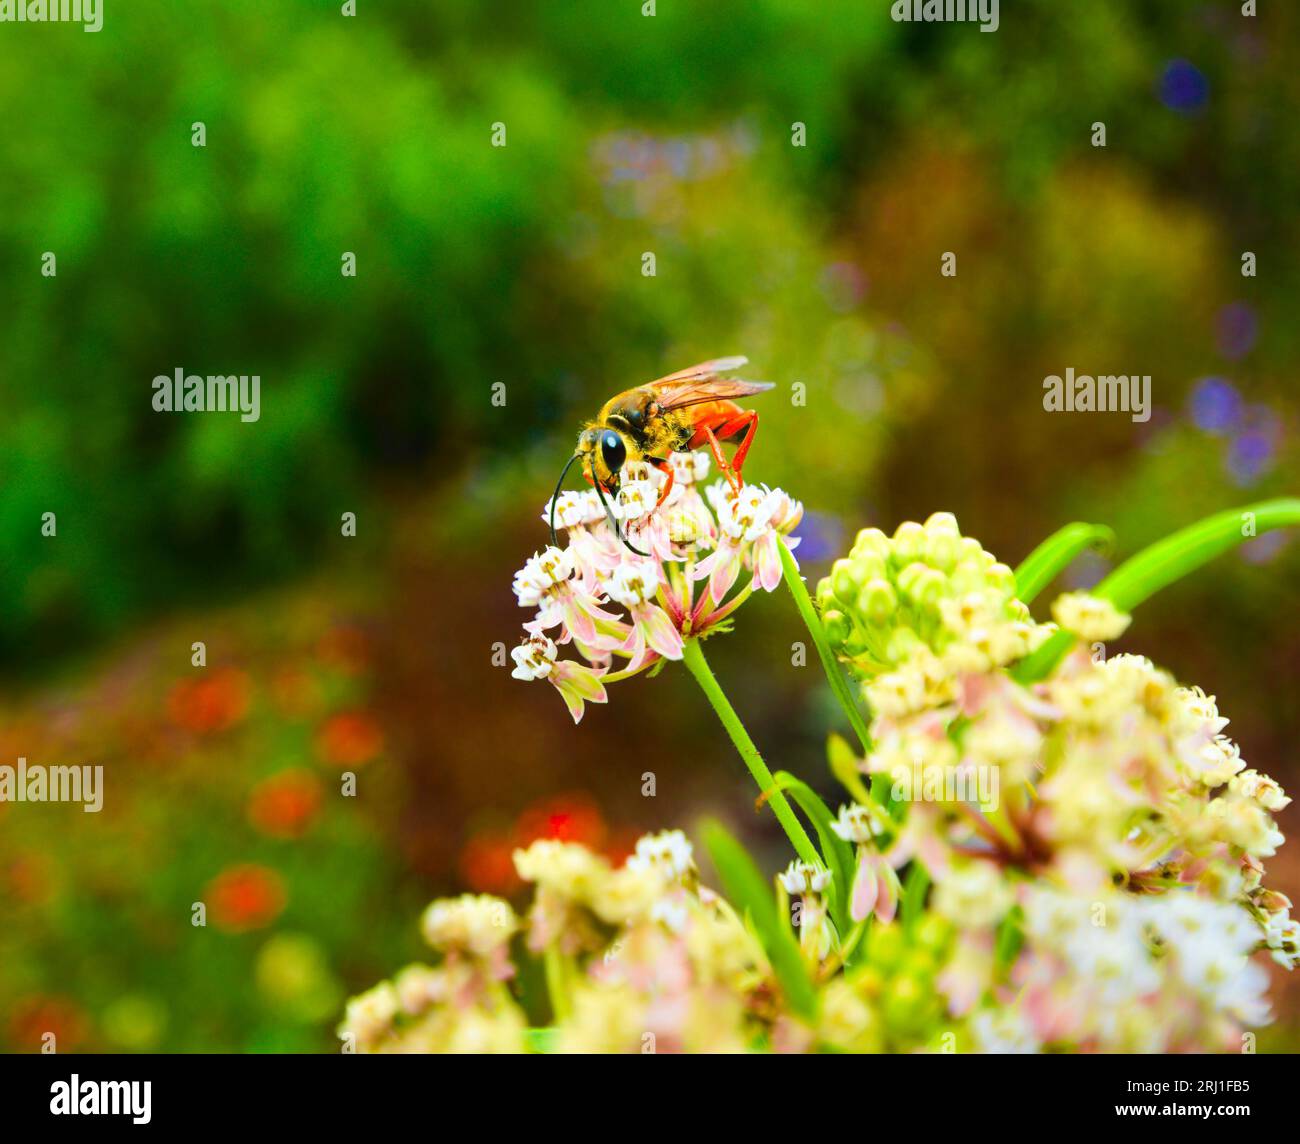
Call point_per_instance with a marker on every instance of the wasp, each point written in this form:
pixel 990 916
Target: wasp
pixel 685 410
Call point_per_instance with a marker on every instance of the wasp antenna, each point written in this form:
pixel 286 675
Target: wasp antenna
pixel 613 523
pixel 556 495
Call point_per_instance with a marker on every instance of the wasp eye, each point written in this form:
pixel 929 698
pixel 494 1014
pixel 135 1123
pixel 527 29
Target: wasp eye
pixel 612 450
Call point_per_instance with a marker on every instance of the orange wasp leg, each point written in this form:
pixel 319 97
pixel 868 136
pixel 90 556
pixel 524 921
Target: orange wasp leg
pixel 716 450
pixel 748 422
pixel 667 469
pixel 743 421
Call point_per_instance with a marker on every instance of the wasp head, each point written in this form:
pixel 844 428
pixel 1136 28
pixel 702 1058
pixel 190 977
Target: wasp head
pixel 603 452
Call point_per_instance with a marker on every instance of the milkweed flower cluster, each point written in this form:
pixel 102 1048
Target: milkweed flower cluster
pixel 650 960
pixel 622 613
pixel 1030 860
pixel 459 1006
pixel 1124 855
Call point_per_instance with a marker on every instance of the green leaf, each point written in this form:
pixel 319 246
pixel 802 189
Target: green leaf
pixel 918 882
pixel 747 890
pixel 836 853
pixel 1057 552
pixel 1168 560
pixel 1161 564
pixel 1011 936
pixel 540 1040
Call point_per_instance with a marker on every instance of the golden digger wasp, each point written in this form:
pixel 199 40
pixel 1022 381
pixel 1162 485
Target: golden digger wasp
pixel 684 410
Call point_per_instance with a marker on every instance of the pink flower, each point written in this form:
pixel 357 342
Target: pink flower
pixel 576 590
pixel 547 583
pixel 576 683
pixel 634 586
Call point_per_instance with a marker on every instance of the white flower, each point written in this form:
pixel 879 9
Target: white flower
pixel 668 851
pixel 1201 708
pixel 534 658
pixel 633 582
pixel 575 510
pixel 689 468
pixel 974 895
pixel 745 516
pixel 1003 1031
pixel 1259 788
pixel 803 878
pixel 1089 617
pixel 370 1015
pixel 636 500
pixel 478 924
pixel 855 824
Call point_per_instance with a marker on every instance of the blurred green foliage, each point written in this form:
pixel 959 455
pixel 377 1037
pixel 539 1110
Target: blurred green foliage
pixel 523 264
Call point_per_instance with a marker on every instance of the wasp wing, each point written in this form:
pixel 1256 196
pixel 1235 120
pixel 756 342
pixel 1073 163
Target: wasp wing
pixel 704 369
pixel 701 383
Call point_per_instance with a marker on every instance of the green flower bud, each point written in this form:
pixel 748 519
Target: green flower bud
pixel 942 550
pixel 886 946
pixel 877 603
pixel 855 643
pixel 838 626
pixel 1001 577
pixel 921 584
pixel 872 566
pixel 909 542
pixel 943 522
pixel 845 580
pixel 903 643
pixel 869 982
pixel 870 542
pixel 935 933
pixel 920 964
pixel 968 576
pixel 905 1003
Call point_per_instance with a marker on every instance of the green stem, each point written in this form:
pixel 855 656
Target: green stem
pixel 556 983
pixel 698 666
pixel 830 665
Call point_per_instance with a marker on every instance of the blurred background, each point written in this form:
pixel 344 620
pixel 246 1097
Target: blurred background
pixel 520 266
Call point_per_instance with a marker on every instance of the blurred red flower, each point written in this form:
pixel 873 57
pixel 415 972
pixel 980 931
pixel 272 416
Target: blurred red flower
pixel 211 702
pixel 349 739
pixel 487 863
pixel 245 897
pixel 286 804
pixel 28 876
pixel 296 692
pixel 35 1016
pixel 345 647
pixel 571 817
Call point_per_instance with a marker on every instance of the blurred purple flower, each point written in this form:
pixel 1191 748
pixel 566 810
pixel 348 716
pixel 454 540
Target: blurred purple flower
pixel 843 284
pixel 1215 405
pixel 1182 87
pixel 1251 451
pixel 819 536
pixel 1264 549
pixel 1235 329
